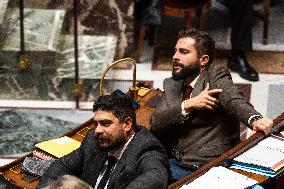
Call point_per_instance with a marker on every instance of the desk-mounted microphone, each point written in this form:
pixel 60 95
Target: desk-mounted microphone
pixel 133 90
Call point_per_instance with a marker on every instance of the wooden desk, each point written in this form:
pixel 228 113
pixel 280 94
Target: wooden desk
pixel 267 182
pixel 11 173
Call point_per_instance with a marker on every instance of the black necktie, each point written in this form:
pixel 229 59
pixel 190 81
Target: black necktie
pixel 187 89
pixel 111 161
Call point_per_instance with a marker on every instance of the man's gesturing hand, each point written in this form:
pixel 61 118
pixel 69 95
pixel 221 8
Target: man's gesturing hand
pixel 204 100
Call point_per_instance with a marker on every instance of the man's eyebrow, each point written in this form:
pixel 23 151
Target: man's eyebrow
pixel 104 121
pixel 183 49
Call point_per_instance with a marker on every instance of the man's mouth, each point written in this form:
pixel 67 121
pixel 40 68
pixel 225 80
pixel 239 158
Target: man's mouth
pixel 101 141
pixel 99 138
pixel 177 66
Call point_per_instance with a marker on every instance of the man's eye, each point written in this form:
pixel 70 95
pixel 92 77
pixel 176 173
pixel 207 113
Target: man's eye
pixel 105 123
pixel 102 123
pixel 183 52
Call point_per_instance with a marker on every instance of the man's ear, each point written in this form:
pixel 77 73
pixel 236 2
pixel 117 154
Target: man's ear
pixel 204 60
pixel 128 124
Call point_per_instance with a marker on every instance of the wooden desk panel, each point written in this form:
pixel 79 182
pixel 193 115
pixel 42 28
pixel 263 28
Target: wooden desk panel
pixel 144 113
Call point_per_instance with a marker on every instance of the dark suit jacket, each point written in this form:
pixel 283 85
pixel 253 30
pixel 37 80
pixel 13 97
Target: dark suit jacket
pixel 143 164
pixel 206 134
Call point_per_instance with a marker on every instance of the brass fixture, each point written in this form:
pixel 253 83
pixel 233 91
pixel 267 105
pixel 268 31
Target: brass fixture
pixel 133 90
pixel 24 62
pixel 78 90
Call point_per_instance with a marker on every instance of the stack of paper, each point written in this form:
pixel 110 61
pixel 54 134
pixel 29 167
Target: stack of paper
pixel 265 158
pixel 220 178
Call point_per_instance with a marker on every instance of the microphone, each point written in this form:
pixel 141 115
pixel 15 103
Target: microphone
pixel 133 90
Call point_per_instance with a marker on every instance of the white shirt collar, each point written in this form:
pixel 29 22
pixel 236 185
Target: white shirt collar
pixel 194 81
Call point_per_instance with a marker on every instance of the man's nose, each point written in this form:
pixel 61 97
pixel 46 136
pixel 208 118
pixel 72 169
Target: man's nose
pixel 176 56
pixel 99 129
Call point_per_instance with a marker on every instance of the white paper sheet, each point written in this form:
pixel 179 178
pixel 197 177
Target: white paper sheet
pixel 267 152
pixel 220 178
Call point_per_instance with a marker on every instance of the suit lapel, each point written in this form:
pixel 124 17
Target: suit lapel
pixel 118 169
pixel 95 166
pixel 200 84
pixel 125 159
pixel 173 91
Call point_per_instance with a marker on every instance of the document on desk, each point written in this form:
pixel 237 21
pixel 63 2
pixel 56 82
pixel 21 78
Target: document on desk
pixel 59 147
pixel 220 178
pixel 268 153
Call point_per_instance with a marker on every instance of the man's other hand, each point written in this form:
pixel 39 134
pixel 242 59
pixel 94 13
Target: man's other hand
pixel 204 100
pixel 264 124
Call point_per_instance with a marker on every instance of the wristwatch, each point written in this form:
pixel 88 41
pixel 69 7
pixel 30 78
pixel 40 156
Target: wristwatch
pixel 254 118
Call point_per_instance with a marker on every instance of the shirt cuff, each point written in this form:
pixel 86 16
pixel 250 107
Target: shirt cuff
pixel 184 114
pixel 253 118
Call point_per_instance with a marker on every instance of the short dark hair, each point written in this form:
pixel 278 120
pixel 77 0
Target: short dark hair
pixel 204 43
pixel 120 106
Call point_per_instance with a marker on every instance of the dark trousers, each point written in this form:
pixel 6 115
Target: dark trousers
pixel 241 23
pixel 179 170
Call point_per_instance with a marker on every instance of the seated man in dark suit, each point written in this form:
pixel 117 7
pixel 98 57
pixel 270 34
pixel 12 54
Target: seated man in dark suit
pixel 116 153
pixel 200 124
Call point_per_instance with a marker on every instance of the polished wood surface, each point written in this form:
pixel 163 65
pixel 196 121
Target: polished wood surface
pixel 143 113
pixel 11 173
pixel 266 11
pixel 187 9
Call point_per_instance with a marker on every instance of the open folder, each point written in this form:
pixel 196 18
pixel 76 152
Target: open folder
pixel 59 147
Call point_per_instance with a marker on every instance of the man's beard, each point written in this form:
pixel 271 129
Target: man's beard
pixel 111 144
pixel 186 71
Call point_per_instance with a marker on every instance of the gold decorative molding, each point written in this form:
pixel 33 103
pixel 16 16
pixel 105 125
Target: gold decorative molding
pixel 78 90
pixel 24 62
